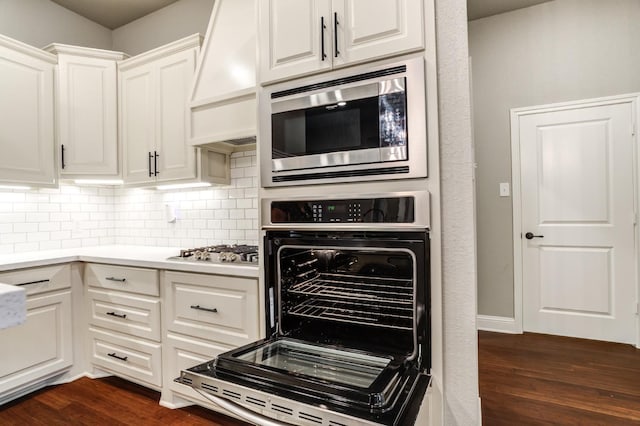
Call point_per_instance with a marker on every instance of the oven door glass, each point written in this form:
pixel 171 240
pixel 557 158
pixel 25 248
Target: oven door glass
pixel 330 365
pixel 353 378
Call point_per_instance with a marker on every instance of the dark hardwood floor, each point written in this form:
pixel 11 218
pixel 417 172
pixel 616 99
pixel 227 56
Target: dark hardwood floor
pixel 528 379
pixel 109 401
pixel 535 379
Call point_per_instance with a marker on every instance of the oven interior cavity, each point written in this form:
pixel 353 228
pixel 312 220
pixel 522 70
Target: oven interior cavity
pixel 359 298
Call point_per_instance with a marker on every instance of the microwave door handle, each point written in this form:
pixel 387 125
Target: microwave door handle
pixel 242 412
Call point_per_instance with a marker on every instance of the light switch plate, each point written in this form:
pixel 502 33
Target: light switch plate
pixel 504 189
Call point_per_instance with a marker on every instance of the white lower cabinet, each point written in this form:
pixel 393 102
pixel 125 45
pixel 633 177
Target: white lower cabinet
pixel 204 315
pixel 41 347
pixel 124 322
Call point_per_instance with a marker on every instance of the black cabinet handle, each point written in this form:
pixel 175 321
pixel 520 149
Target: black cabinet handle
pixel 113 314
pixel 155 163
pixel 150 158
pixel 33 282
pixel 335 34
pixel 322 28
pixel 62 155
pixel 121 358
pixel 530 236
pixel 120 280
pixel 200 308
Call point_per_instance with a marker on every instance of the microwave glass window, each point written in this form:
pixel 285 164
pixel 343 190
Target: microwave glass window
pixel 348 126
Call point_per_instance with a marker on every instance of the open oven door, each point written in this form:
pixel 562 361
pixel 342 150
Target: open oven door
pixel 295 382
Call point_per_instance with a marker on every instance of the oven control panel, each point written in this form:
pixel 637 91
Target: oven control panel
pixel 365 210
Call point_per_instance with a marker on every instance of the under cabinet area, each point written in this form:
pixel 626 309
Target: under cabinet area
pixel 334 33
pixel 42 347
pixel 26 114
pixel 124 322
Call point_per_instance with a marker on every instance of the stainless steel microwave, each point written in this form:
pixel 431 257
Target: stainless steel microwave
pixel 368 122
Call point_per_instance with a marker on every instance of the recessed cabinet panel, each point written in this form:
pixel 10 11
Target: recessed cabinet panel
pixel 369 29
pixel 40 347
pixel 123 278
pixel 26 115
pixel 137 118
pixel 177 160
pixel 292 37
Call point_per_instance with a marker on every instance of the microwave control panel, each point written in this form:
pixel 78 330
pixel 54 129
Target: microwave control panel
pixel 365 210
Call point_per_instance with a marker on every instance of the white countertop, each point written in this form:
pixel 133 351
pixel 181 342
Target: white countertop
pixel 138 256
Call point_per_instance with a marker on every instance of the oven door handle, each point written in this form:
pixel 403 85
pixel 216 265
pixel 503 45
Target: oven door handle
pixel 242 412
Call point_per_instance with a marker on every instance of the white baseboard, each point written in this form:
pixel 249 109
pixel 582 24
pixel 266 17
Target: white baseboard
pixel 497 324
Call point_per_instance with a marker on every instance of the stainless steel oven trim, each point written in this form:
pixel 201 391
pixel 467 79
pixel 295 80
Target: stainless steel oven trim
pixel 416 351
pixel 416 157
pixel 346 93
pixel 284 410
pixel 422 212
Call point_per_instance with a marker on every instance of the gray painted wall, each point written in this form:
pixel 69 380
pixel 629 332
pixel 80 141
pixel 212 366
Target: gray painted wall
pixel 559 51
pixel 41 22
pixel 168 24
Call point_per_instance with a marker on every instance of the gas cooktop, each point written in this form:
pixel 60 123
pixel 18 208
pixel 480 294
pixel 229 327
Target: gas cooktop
pixel 220 253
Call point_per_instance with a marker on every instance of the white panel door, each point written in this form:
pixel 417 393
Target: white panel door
pixel 578 209
pixel 137 124
pixel 368 29
pixel 87 108
pixel 176 158
pixel 291 38
pixel 26 118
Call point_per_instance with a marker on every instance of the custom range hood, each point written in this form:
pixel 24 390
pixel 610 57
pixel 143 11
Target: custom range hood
pixel 223 105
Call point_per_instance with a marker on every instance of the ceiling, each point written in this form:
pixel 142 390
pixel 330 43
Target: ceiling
pixel 477 9
pixel 113 13
pixel 116 13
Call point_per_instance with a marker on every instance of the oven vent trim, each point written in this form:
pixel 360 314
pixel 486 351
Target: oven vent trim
pixel 340 81
pixel 342 174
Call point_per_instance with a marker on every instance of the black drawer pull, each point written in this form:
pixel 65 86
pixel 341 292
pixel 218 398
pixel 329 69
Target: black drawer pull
pixel 121 358
pixel 33 282
pixel 113 314
pixel 120 280
pixel 200 308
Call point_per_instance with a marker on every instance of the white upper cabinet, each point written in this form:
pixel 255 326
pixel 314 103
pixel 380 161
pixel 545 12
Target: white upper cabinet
pixel 87 116
pixel 27 138
pixel 299 37
pixel 223 100
pixel 154 127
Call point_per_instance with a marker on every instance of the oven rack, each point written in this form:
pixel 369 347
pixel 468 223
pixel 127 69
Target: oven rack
pixel 352 287
pixel 355 313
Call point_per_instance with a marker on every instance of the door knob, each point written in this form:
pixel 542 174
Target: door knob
pixel 530 236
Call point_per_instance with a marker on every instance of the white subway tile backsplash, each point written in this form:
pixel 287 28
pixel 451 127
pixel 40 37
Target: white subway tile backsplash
pixel 72 216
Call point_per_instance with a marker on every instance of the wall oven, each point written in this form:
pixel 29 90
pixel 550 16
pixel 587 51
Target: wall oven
pixel 367 121
pixel 348 317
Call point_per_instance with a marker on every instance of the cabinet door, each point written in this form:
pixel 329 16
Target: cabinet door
pixel 137 123
pixel 39 348
pixel 87 116
pixel 26 117
pixel 291 38
pixel 370 29
pixel 176 158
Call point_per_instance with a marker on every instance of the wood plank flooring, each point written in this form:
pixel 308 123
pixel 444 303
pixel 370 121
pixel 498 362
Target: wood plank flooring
pixel 109 401
pixel 528 379
pixel 535 379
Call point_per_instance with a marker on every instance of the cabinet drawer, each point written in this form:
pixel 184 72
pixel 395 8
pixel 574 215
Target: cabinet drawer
pixel 125 356
pixel 126 313
pixel 39 280
pixel 185 352
pixel 213 307
pixel 134 280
